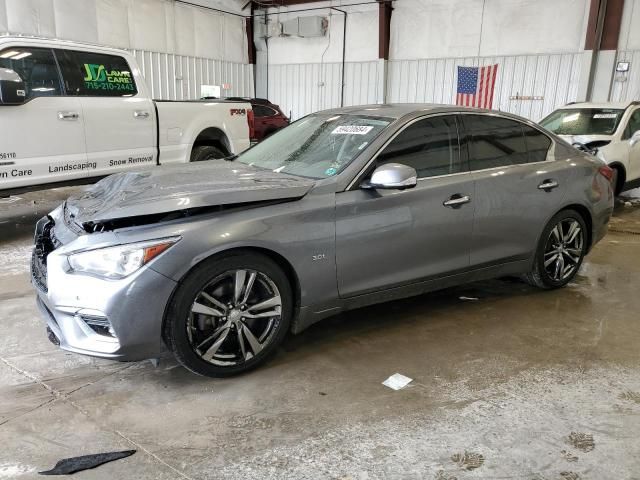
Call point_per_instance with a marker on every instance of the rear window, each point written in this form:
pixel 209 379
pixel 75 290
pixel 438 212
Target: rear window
pixel 583 121
pixel 95 74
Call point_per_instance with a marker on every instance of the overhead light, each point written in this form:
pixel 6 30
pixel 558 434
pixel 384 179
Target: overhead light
pixel 9 54
pixel 21 56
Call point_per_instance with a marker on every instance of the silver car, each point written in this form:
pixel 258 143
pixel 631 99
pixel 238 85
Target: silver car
pixel 344 208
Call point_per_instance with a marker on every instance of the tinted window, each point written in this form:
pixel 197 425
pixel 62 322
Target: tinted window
pixel 430 146
pixel 633 126
pixel 95 74
pixel 537 144
pixel 37 68
pixel 494 142
pixel 262 111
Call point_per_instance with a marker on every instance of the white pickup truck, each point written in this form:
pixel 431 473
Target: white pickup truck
pixel 71 111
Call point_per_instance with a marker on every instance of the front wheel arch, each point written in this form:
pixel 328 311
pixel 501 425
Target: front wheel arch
pixel 281 261
pixel 622 177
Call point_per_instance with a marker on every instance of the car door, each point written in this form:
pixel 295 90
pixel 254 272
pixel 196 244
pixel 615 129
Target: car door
pixel 519 187
pixel 633 146
pixel 41 140
pixel 386 238
pixel 119 120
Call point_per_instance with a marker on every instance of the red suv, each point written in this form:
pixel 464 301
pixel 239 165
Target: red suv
pixel 268 117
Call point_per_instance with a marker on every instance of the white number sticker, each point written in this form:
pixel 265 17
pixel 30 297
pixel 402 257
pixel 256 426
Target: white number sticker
pixel 351 130
pixel 605 115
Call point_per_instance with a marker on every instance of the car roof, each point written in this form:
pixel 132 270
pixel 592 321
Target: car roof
pixel 613 105
pixel 60 43
pixel 399 110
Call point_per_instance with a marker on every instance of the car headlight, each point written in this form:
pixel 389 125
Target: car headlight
pixel 120 261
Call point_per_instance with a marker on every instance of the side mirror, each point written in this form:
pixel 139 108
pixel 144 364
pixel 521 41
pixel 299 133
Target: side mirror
pixel 392 176
pixel 12 91
pixel 635 138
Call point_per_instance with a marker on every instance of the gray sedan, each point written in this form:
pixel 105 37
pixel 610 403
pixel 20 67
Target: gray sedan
pixel 344 208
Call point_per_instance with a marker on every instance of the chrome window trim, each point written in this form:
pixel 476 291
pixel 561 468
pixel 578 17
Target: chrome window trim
pixel 454 113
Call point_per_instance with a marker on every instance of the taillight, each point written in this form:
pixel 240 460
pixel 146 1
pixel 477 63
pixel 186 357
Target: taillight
pixel 251 120
pixel 606 171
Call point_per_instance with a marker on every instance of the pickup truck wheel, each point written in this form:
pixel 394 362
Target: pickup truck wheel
pixel 205 152
pixel 229 314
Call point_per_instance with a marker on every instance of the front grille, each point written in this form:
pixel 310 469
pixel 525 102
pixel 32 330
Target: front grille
pixel 45 244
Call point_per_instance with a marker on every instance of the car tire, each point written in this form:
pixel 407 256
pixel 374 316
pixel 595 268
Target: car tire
pixel 187 330
pixel 206 152
pixel 559 256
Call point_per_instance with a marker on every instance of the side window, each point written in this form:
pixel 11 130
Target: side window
pixel 633 126
pixel 430 146
pixel 90 74
pixel 37 68
pixel 494 142
pixel 262 111
pixel 537 144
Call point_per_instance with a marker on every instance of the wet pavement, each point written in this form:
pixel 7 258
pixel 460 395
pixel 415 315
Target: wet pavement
pixel 519 383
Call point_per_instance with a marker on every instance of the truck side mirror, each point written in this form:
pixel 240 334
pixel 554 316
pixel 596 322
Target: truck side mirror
pixel 12 91
pixel 635 138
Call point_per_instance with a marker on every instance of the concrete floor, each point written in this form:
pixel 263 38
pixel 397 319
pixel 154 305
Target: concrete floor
pixel 519 384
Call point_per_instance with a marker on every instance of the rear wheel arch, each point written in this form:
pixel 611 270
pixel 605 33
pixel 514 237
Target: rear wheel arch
pixel 586 216
pixel 213 137
pixel 277 258
pixel 584 213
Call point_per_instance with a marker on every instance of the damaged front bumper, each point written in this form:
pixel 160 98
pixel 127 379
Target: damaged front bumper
pixel 116 319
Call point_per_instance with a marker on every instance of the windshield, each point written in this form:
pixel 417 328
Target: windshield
pixel 583 121
pixel 317 146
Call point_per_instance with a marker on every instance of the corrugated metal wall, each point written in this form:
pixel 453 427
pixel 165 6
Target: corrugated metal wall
pixel 300 89
pixel 305 88
pixel 178 77
pixel 626 87
pixel 553 77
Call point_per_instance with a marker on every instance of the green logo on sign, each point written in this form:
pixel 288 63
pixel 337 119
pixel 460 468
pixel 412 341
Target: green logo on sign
pixel 95 73
pixel 99 78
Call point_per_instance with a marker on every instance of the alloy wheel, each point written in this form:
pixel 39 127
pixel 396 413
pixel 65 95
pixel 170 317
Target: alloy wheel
pixel 564 249
pixel 234 317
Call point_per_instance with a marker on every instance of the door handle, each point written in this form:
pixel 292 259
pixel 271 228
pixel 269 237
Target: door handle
pixel 141 114
pixel 456 201
pixel 68 115
pixel 548 185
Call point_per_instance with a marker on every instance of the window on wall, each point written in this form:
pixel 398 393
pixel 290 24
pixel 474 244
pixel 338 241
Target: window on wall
pixel 537 144
pixel 494 142
pixel 92 74
pixel 430 146
pixel 37 68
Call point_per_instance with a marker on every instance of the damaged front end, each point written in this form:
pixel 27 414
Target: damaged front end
pixel 148 197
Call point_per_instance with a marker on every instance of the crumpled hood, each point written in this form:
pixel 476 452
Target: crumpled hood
pixel 585 139
pixel 174 188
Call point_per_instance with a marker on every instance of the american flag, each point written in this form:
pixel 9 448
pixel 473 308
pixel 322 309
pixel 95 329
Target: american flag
pixel 475 86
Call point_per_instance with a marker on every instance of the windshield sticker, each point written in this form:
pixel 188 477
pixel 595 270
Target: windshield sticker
pixel 351 130
pixel 99 78
pixel 605 115
pixel 330 171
